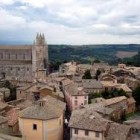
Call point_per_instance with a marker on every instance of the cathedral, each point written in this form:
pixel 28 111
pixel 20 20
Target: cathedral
pixel 25 63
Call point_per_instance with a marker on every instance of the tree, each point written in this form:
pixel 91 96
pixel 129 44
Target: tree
pixel 93 96
pixel 87 75
pixel 96 61
pixel 113 93
pixel 7 84
pixel 105 94
pixel 98 72
pixel 12 89
pixel 136 95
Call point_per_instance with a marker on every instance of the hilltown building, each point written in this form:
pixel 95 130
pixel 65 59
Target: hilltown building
pixel 87 124
pixel 43 121
pixel 25 63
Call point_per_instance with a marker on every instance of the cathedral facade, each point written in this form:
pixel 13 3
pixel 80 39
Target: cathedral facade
pixel 25 62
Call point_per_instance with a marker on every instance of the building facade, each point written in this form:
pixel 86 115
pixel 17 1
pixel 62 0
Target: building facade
pixel 26 62
pixel 43 121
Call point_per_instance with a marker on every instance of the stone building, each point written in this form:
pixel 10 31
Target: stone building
pixel 26 62
pixel 43 121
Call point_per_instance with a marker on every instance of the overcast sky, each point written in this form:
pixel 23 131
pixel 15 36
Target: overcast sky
pixel 71 21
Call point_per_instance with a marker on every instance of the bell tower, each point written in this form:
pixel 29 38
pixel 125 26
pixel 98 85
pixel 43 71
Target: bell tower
pixel 40 58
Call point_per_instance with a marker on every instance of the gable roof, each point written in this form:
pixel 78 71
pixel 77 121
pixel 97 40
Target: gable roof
pixel 92 83
pixel 4 90
pixel 88 119
pixel 3 105
pixel 118 132
pixel 100 108
pixel 114 100
pixel 74 90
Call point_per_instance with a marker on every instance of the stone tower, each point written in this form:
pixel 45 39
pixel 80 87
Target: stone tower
pixel 40 58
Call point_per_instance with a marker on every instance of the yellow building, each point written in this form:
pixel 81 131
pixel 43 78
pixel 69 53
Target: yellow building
pixel 43 121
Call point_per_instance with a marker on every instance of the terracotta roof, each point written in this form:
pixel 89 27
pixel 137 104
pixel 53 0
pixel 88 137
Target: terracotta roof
pixel 100 108
pixel 73 89
pixel 124 87
pixel 51 108
pixel 12 116
pixel 21 103
pixel 114 100
pixel 59 79
pixel 26 87
pixel 133 123
pixel 118 132
pixel 4 90
pixel 46 87
pixel 3 105
pixel 108 84
pixel 87 119
pixel 92 83
pixel 66 82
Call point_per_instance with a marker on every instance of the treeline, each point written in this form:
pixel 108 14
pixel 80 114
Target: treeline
pixel 87 53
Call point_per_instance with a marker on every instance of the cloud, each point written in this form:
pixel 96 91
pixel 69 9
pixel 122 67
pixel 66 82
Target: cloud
pixel 72 21
pixel 10 22
pixel 6 2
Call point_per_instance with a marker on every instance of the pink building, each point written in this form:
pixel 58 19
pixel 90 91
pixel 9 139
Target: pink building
pixel 75 96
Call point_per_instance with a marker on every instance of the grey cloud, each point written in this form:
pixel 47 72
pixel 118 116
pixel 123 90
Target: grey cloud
pixel 73 18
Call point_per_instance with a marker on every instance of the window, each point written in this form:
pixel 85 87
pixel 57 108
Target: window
pixel 34 126
pixel 75 97
pixel 8 56
pixel 85 97
pixel 16 56
pixel 24 56
pixel 86 132
pixel 76 103
pixel 97 134
pixel 85 102
pixel 75 131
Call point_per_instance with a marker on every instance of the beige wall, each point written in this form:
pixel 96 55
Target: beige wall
pixel 46 130
pixel 91 136
pixel 20 94
pixel 26 128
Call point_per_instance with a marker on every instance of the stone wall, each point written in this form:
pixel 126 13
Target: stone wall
pixel 24 62
pixel 16 62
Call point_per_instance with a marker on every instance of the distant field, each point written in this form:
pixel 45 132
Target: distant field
pixel 124 54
